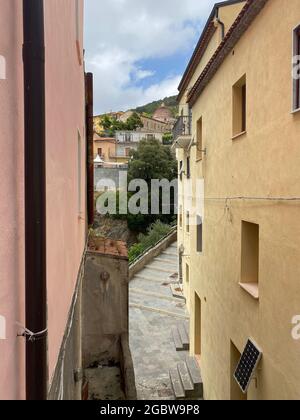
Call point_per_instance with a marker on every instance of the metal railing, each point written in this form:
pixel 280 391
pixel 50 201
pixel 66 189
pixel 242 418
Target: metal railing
pixel 183 127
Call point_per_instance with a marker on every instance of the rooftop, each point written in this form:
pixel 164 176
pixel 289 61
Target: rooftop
pixel 108 247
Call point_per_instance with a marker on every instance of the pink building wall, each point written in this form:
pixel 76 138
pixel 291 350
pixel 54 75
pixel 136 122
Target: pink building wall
pixel 66 223
pixel 65 110
pixel 11 201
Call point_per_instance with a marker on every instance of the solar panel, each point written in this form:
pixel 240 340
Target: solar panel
pixel 247 365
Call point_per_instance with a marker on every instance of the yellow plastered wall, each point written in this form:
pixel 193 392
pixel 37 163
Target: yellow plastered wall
pixel 264 162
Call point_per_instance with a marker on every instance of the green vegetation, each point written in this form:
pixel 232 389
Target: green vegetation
pixel 111 125
pixel 167 138
pixel 155 233
pixel 151 161
pixel 149 109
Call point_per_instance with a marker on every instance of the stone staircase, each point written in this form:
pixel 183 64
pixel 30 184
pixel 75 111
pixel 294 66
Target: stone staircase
pixel 186 380
pixel 181 336
pixel 156 299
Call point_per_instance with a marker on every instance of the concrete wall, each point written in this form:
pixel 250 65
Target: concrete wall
pixel 105 308
pixel 111 174
pixel 264 162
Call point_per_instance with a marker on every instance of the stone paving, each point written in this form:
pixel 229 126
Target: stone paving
pixel 153 313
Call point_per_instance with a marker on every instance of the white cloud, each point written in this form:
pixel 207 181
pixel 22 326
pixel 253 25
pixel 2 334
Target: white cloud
pixel 120 33
pixel 141 74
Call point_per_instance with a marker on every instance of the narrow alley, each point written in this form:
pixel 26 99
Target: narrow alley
pixel 157 319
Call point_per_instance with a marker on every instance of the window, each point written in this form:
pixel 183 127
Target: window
pixel 199 140
pixel 250 258
pixel 199 234
pixel 296 70
pixel 239 102
pixel 79 171
pixel 100 152
pixel 188 167
pixel 188 222
pixel 180 169
pixel 127 151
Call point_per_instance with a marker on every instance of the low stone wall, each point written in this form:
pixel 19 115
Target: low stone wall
pixel 127 368
pixel 151 254
pixel 104 307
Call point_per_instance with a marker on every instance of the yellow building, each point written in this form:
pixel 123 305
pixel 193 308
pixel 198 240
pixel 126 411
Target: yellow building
pixel 239 132
pixel 104 147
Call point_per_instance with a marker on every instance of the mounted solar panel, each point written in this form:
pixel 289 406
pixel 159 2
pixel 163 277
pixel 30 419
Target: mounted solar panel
pixel 247 365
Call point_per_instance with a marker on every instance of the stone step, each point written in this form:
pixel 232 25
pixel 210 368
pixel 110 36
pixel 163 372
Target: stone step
pixel 195 375
pixel 186 380
pixel 159 269
pixel 177 385
pixel 167 261
pixel 148 277
pixel 171 254
pixel 187 328
pixel 177 291
pixel 184 336
pixel 177 339
pixel 166 266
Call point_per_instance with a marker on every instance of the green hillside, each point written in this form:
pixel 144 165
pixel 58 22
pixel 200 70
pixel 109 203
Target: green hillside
pixel 150 108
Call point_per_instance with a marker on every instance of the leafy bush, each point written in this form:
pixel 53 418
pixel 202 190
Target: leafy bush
pixel 156 232
pixel 167 138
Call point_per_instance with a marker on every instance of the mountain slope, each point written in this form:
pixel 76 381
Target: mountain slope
pixel 170 102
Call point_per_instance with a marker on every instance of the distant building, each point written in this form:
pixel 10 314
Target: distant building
pixel 164 114
pixel 126 141
pixel 104 147
pixel 151 125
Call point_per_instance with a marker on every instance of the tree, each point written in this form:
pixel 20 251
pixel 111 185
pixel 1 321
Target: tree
pixel 152 161
pixel 167 138
pixel 111 125
pixel 134 122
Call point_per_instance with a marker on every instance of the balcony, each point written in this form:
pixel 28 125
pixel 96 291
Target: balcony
pixel 182 132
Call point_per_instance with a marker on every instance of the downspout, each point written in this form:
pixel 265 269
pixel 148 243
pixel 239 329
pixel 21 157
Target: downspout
pixel 35 199
pixel 219 22
pixel 90 146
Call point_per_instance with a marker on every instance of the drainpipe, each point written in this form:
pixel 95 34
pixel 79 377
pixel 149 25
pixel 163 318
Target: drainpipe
pixel 90 145
pixel 35 199
pixel 219 22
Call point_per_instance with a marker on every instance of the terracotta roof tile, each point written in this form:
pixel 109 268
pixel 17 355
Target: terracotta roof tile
pixel 108 247
pixel 251 9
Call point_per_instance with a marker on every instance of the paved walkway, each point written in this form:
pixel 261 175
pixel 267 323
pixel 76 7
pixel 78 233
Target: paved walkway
pixel 153 313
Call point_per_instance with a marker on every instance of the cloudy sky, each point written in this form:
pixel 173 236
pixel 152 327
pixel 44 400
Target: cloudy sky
pixel 138 49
